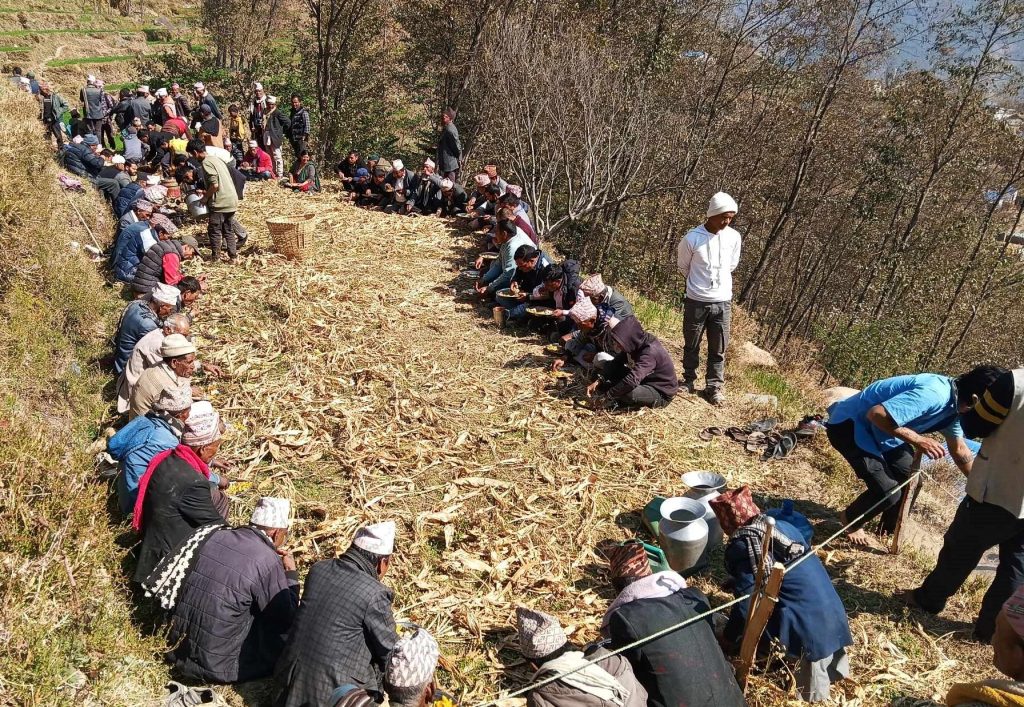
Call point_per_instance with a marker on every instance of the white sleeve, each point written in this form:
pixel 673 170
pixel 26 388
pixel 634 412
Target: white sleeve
pixel 684 255
pixel 736 253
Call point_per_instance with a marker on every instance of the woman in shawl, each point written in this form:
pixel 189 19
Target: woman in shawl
pixel 303 175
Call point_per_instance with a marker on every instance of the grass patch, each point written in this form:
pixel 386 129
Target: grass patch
pixel 76 31
pixel 774 382
pixel 12 48
pixel 56 63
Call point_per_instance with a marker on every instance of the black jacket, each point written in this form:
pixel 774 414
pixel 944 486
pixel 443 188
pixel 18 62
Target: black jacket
pixel 342 634
pixel 275 127
pixel 234 609
pixel 428 195
pixel 150 272
pixel 455 203
pixel 685 667
pixel 642 361
pixel 177 502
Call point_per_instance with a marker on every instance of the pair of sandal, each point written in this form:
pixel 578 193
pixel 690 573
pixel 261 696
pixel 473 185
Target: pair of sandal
pixel 758 438
pixel 739 434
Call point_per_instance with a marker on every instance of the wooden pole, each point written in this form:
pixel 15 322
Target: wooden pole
pixel 766 552
pixel 756 623
pixel 905 505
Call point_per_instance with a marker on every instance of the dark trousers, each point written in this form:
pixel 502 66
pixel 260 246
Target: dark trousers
pixel 975 528
pixel 222 226
pixel 715 318
pixel 880 474
pixel 57 131
pixel 641 396
pixel 298 145
pixel 95 127
pixel 108 135
pixel 453 175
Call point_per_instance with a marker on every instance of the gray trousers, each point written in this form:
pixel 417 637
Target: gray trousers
pixel 221 226
pixel 714 318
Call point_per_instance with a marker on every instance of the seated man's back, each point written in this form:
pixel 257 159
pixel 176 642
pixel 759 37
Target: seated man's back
pixel 685 667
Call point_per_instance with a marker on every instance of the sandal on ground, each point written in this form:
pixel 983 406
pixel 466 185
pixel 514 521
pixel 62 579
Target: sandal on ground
pixel 709 433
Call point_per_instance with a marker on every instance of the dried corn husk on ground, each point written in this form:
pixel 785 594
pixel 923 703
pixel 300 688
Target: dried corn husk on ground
pixel 364 389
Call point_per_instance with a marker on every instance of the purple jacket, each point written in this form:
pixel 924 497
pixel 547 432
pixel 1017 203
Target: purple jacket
pixel 648 361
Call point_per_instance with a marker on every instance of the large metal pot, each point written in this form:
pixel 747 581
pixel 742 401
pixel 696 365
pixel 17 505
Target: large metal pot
pixel 196 208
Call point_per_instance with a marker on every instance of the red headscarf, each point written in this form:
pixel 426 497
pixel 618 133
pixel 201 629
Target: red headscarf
pixel 734 509
pixel 182 451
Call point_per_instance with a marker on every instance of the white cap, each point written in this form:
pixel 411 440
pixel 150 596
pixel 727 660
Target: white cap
pixel 117 159
pixel 378 539
pixel 398 165
pixel 721 203
pixel 253 143
pixel 153 179
pixel 447 184
pixel 257 86
pixel 271 512
pixel 90 78
pixel 166 294
pixel 271 99
pixel 198 85
pixel 161 92
pixel 428 163
pixel 175 345
pixel 143 89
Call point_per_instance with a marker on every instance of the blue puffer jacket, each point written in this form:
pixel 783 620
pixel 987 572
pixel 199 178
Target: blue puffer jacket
pixel 81 161
pixel 126 198
pixel 131 246
pixel 134 446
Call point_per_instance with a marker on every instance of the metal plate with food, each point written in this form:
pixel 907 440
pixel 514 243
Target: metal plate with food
pixel 554 349
pixel 463 215
pixel 470 273
pixel 489 256
pixel 560 375
pixel 511 294
pixel 540 311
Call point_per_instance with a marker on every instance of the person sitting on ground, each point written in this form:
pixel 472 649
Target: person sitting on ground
pixel 177 493
pixel 485 210
pixel 344 630
pixel 374 194
pixel 112 178
pixel 190 288
pixel 880 429
pixel 683 667
pixel 375 161
pixel 360 180
pixel 809 619
pixel 84 160
pixel 400 188
pixel 600 679
pixel 603 295
pixel 346 169
pixel 303 176
pixel 499 276
pixel 178 356
pixel 530 266
pixel 257 164
pixel 233 594
pixel 426 200
pixel 140 210
pixel 146 354
pixel 509 200
pixel 562 288
pixel 641 374
pixel 992 513
pixel 135 444
pixel 162 263
pixel 133 148
pixel 409 675
pixel 491 170
pixel 583 345
pixel 453 198
pixel 139 318
pixel 135 241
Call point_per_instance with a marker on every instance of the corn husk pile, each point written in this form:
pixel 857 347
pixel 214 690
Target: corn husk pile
pixel 363 389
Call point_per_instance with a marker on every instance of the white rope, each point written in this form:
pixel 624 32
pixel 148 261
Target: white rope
pixel 683 624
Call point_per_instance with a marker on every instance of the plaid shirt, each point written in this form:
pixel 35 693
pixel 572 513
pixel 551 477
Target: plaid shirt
pixel 342 634
pixel 299 124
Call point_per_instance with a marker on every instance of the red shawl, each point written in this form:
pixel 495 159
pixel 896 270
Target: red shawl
pixel 182 451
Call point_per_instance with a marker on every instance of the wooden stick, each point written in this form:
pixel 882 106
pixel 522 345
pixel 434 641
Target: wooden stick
pixel 905 503
pixel 756 623
pixel 81 218
pixel 766 552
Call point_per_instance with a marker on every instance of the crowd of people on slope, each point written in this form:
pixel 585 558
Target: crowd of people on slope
pixel 232 594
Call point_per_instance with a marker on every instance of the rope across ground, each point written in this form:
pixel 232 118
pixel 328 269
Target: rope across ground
pixel 363 388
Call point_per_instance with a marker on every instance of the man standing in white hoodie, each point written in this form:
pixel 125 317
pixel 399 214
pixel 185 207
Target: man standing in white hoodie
pixel 707 257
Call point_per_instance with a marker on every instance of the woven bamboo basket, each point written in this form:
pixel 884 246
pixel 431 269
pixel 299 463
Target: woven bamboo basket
pixel 292 235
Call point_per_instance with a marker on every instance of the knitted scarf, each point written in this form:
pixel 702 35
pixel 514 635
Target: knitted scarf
pixel 752 536
pixel 183 452
pixel 165 581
